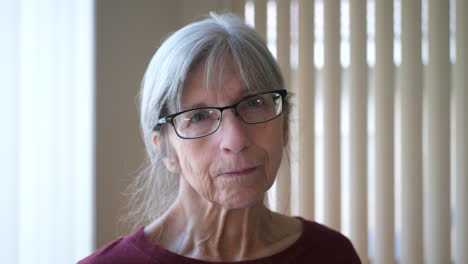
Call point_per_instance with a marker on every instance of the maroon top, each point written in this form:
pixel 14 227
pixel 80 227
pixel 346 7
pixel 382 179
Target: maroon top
pixel 317 244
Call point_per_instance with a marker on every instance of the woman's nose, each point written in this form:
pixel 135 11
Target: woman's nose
pixel 234 133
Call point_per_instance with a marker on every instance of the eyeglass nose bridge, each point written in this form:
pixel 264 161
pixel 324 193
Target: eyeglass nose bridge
pixel 234 111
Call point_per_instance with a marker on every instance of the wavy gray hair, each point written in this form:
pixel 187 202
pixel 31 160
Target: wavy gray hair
pixel 212 41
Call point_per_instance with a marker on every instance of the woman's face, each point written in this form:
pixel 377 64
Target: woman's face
pixel 236 165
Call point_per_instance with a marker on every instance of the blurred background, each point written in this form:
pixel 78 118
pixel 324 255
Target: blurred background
pixel 378 144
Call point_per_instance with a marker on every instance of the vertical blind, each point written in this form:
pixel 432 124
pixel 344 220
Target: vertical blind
pixel 378 146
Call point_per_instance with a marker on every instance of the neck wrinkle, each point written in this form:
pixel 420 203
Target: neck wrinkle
pixel 243 250
pixel 205 230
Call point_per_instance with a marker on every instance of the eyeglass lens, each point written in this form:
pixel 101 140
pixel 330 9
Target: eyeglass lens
pixel 256 109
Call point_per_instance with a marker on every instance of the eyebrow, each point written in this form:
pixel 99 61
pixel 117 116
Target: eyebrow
pixel 197 105
pixel 244 95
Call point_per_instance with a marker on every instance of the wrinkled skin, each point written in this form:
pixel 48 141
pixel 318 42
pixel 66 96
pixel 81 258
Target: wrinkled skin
pixel 219 213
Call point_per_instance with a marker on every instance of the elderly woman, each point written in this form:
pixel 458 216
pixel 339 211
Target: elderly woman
pixel 214 115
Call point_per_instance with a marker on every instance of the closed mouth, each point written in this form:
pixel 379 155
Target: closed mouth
pixel 241 172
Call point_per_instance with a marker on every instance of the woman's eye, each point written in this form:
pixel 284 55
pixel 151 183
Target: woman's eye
pixel 255 102
pixel 200 116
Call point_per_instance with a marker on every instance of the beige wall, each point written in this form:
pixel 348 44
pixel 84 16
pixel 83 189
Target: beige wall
pixel 127 35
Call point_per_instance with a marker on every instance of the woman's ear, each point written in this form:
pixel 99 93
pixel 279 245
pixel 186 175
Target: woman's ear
pixel 170 159
pixel 156 138
pixel 285 131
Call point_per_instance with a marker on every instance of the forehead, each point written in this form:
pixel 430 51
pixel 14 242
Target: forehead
pixel 224 86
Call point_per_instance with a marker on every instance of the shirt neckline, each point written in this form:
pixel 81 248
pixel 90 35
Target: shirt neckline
pixel 140 241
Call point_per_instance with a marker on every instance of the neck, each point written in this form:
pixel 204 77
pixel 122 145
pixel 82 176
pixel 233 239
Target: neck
pixel 197 228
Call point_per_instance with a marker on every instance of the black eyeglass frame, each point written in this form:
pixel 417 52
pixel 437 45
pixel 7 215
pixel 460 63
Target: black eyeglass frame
pixel 170 118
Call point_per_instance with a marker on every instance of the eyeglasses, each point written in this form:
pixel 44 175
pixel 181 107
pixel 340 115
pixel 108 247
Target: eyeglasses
pixel 204 121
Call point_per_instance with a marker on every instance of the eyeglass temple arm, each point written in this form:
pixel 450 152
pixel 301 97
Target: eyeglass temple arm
pixel 161 121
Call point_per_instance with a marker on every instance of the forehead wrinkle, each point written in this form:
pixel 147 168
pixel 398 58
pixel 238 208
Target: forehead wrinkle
pixel 230 81
pixel 241 94
pixel 216 66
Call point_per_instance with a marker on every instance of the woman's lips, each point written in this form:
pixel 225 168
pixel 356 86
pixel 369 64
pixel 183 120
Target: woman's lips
pixel 241 172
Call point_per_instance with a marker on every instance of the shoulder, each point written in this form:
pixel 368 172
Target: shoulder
pixel 103 254
pixel 120 251
pixel 326 244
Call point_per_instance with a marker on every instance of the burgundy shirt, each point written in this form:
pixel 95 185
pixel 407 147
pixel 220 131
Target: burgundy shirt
pixel 317 244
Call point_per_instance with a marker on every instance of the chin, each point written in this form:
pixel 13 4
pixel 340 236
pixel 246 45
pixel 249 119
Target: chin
pixel 243 200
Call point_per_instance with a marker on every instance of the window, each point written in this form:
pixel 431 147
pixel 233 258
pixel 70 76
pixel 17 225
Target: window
pixel 46 103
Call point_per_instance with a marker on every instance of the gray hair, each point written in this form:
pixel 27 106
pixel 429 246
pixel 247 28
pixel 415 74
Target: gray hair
pixel 212 41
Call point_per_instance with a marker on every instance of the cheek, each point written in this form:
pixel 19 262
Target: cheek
pixel 275 155
pixel 195 170
pixel 272 142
